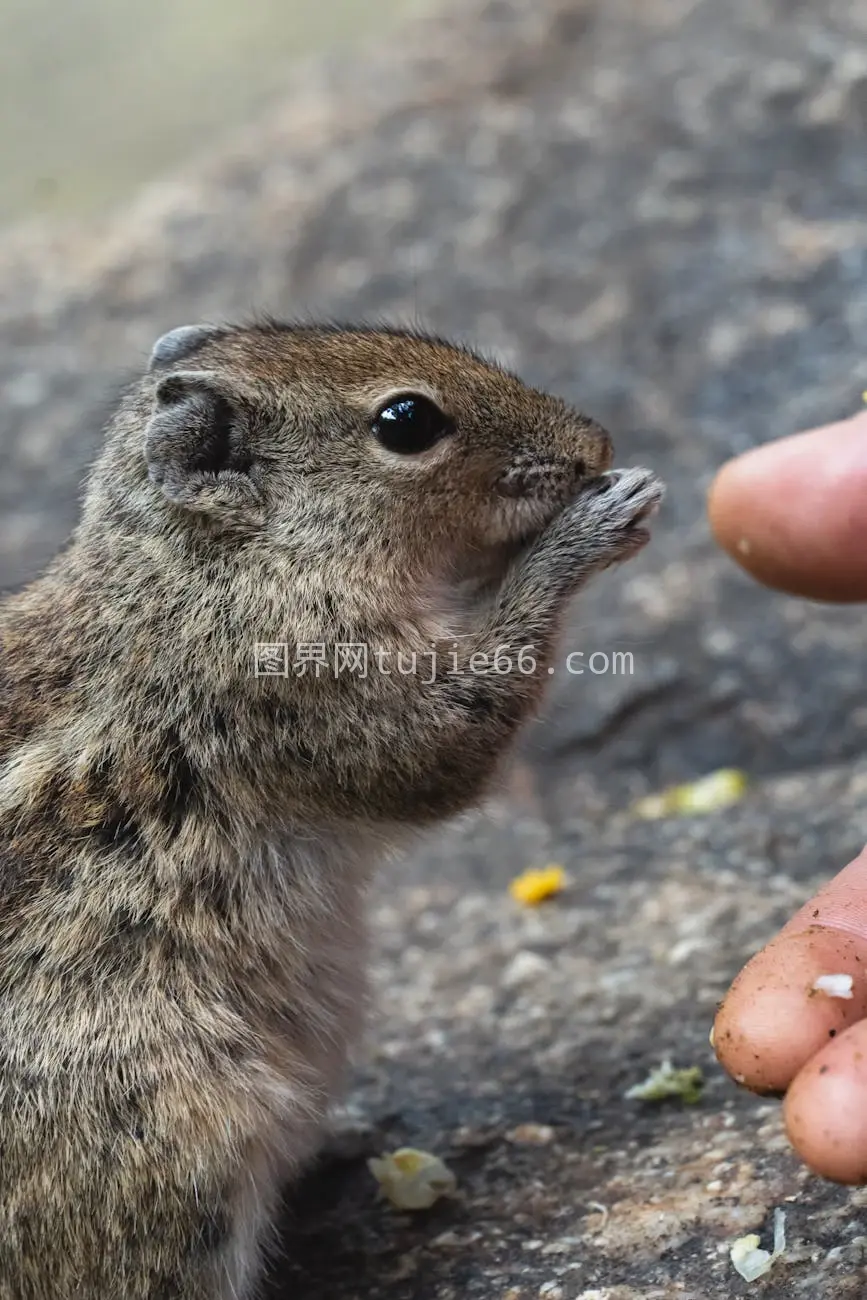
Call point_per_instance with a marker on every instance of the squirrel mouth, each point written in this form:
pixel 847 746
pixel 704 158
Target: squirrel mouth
pixel 526 516
pixel 482 570
pixel 520 521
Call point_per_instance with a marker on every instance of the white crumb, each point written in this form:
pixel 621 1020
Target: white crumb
pixel 835 986
pixel 751 1261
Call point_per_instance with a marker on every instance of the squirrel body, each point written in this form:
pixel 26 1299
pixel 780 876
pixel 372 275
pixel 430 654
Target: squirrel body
pixel 188 822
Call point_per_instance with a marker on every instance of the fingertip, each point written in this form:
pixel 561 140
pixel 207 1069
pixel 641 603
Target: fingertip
pixel 825 1110
pixel 773 1019
pixel 793 513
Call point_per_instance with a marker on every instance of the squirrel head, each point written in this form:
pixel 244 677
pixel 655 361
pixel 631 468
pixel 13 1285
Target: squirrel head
pixel 349 447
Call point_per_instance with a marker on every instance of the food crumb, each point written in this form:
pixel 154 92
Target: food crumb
pixel 747 1257
pixel 718 789
pixel 535 885
pixel 411 1179
pixel 666 1081
pixel 834 986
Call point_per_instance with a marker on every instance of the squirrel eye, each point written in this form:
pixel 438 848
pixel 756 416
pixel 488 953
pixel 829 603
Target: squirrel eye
pixel 411 424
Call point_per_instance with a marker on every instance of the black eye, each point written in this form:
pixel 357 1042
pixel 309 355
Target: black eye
pixel 411 424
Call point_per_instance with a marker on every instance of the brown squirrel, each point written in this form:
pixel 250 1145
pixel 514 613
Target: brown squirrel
pixel 192 795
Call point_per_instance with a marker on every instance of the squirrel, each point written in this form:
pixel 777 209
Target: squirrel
pixel 193 797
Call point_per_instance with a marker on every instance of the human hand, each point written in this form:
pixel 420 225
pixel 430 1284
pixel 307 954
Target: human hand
pixel 794 514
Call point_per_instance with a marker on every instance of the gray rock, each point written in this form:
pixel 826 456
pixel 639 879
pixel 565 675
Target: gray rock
pixel 659 211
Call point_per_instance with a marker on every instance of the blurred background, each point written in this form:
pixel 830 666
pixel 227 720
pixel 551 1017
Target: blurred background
pixel 97 96
pixel 658 210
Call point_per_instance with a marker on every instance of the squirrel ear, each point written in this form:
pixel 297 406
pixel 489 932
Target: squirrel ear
pixel 197 445
pixel 180 343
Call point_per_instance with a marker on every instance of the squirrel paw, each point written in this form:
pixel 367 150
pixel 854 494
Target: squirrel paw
pixel 603 525
pixel 619 503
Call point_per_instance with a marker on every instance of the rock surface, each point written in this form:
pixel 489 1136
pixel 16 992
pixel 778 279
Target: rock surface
pixel 659 211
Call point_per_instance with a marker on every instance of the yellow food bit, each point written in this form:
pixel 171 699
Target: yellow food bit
pixel 864 396
pixel 534 885
pixel 411 1179
pixel 717 790
pixel 666 1082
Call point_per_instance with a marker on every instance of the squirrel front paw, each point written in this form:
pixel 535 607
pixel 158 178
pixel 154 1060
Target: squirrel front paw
pixel 604 525
pixel 619 503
